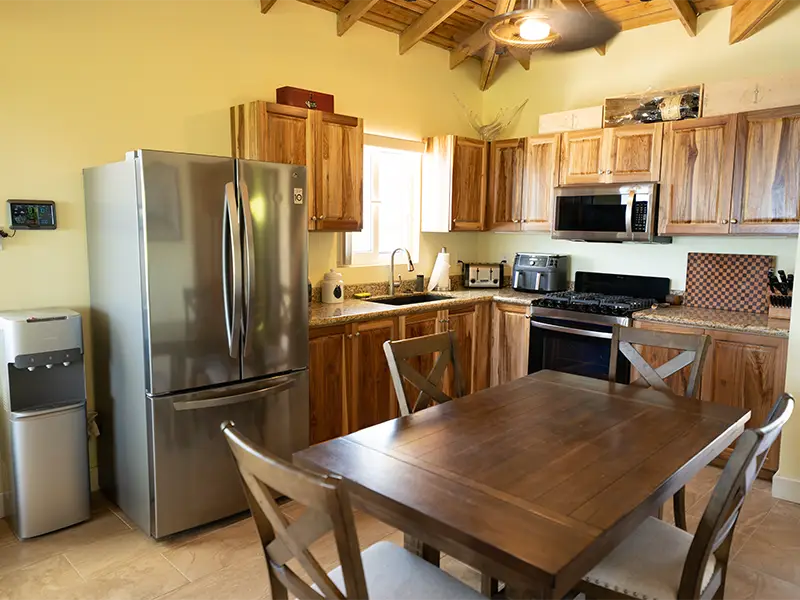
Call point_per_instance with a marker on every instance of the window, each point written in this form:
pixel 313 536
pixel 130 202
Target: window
pixel 392 173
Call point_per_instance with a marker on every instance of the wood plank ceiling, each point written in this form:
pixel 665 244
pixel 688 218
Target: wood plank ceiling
pixel 454 25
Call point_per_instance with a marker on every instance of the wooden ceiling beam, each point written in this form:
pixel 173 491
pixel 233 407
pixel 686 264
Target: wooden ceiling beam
pixel 427 22
pixel 352 12
pixel 474 43
pixel 523 57
pixel 748 16
pixel 488 65
pixel 686 14
pixel 266 5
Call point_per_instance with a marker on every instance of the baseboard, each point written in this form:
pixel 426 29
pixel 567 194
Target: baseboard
pixel 786 488
pixel 94 479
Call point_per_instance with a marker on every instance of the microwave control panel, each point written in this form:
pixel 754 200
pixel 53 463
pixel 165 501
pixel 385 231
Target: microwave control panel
pixel 639 219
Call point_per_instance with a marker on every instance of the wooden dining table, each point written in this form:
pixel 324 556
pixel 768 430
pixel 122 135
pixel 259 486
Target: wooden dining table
pixel 532 482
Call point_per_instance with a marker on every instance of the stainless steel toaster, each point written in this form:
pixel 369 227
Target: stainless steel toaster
pixel 483 275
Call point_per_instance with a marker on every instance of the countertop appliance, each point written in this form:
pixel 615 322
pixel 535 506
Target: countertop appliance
pixel 534 272
pixel 571 331
pixel 198 277
pixel 44 454
pixel 482 275
pixel 608 213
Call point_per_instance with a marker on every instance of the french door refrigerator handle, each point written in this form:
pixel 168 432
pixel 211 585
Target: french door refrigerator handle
pixel 560 328
pixel 250 264
pixel 231 246
pixel 273 386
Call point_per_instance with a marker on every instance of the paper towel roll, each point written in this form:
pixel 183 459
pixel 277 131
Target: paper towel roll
pixel 440 276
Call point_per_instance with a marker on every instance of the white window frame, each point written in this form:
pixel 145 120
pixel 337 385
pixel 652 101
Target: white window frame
pixel 362 259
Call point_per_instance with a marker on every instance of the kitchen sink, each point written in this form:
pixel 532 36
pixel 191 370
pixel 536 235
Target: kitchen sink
pixel 413 299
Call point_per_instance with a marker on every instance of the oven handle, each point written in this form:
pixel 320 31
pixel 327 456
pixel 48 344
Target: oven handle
pixel 560 328
pixel 629 213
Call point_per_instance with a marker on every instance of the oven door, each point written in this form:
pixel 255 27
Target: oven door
pixel 616 213
pixel 573 347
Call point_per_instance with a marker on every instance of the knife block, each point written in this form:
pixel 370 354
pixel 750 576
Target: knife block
pixel 780 312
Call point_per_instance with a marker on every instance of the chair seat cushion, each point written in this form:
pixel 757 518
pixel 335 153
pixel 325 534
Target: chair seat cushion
pixel 393 573
pixel 649 563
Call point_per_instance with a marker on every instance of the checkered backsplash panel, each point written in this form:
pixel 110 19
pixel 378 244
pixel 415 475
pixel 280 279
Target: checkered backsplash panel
pixel 737 282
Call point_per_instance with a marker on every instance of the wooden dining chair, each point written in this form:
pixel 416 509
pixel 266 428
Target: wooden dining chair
pixel 384 570
pixel 694 349
pixel 398 354
pixel 659 560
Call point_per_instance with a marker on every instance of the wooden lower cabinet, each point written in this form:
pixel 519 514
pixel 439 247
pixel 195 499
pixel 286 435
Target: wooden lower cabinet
pixel 471 325
pixel 418 325
pixel 744 370
pixel 510 340
pixel 747 371
pixel 327 383
pixel 371 399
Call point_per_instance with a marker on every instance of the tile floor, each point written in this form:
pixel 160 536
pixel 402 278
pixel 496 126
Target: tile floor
pixel 106 558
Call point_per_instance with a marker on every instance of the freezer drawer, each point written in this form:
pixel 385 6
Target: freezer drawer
pixel 50 469
pixel 195 480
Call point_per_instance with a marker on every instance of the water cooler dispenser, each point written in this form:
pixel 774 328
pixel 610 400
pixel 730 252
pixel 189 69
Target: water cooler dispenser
pixel 44 455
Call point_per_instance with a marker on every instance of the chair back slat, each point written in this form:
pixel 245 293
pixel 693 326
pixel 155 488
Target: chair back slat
pixel 327 509
pixel 695 347
pixel 398 354
pixel 716 528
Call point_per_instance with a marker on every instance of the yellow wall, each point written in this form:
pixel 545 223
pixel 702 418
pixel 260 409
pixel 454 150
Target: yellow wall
pixel 83 82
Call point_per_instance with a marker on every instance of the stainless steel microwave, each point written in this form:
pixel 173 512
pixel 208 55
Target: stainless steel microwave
pixel 608 213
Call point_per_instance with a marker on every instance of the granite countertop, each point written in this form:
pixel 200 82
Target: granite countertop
pixel 352 310
pixel 709 318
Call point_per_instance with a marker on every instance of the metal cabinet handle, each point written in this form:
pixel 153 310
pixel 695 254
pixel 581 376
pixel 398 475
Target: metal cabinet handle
pixel 515 220
pixel 600 172
pixel 724 221
pixel 313 218
pixel 358 333
pixel 349 336
pixel 734 221
pixel 321 217
pixel 608 172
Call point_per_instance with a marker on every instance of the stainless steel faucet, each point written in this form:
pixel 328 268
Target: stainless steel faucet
pixel 396 284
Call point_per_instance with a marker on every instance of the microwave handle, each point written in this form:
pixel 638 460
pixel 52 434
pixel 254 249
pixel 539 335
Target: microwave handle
pixel 561 329
pixel 629 213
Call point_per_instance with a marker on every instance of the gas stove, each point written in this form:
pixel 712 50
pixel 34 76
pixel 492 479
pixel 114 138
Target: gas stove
pixel 602 298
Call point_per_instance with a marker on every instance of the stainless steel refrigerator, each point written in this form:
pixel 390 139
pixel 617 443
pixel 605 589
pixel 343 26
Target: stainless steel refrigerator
pixel 199 314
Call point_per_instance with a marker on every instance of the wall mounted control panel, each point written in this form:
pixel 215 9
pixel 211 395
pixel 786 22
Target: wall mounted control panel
pixel 31 214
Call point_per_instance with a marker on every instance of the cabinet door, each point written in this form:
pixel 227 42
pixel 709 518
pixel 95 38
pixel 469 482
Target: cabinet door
pixel 339 173
pixel 746 371
pixel 634 153
pixel 276 133
pixel 461 322
pixel 510 340
pixel 539 181
pixel 506 162
pixel 767 188
pixel 696 186
pixel 326 383
pixel 372 398
pixel 468 199
pixel 656 356
pixel 582 157
pixel 416 326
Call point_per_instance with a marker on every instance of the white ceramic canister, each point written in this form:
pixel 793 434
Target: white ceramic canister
pixel 332 288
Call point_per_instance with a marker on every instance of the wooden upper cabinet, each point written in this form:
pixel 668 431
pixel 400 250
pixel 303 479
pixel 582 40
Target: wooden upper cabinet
pixel 469 185
pixel 506 171
pixel 582 159
pixel 697 176
pixel 767 183
pixel 539 181
pixel 330 146
pixel 634 153
pixel 746 371
pixel 340 163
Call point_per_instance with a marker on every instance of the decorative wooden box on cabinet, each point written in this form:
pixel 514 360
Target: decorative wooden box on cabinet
pixel 331 147
pixel 454 184
pixel 742 369
pixel 629 154
pixel 523 174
